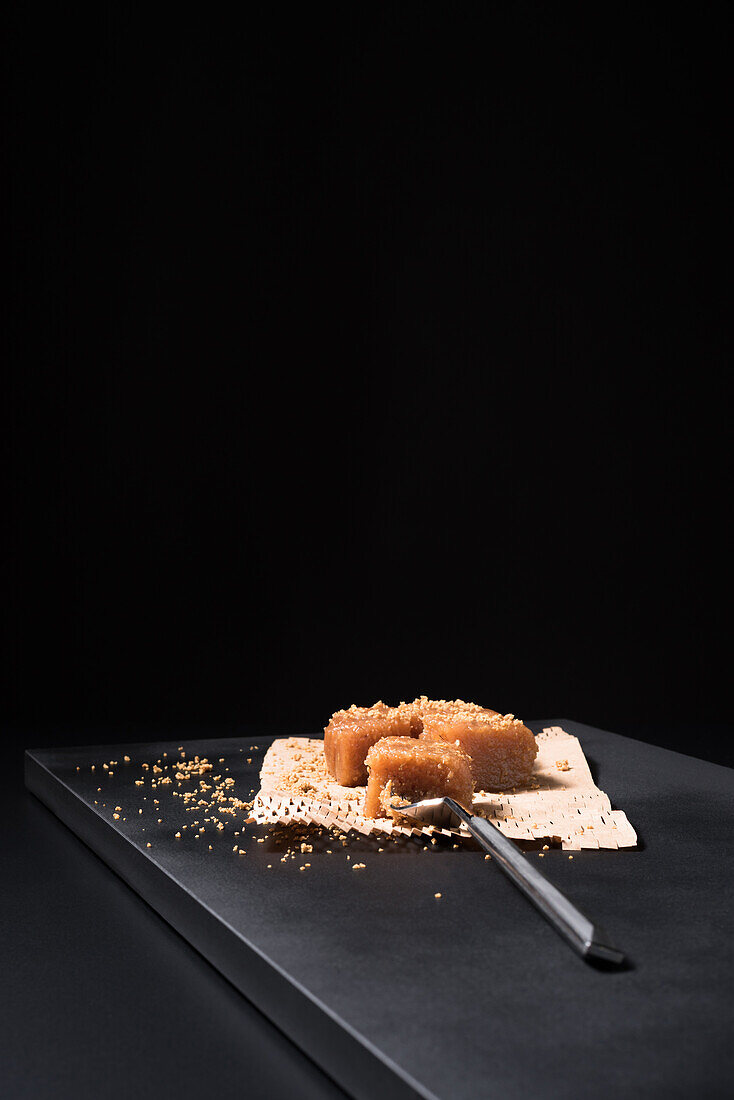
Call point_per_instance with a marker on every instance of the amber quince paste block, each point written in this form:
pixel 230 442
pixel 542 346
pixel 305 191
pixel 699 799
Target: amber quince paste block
pixel 502 750
pixel 422 708
pixel 352 732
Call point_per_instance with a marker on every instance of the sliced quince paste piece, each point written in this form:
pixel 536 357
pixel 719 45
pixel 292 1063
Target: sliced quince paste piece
pixel 409 770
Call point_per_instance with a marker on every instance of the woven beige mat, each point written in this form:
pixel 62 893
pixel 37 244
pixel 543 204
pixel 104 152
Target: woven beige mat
pixel 561 803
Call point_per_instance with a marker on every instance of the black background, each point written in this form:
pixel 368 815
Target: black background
pixel 367 351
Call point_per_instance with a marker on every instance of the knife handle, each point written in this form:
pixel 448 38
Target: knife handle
pixel 587 938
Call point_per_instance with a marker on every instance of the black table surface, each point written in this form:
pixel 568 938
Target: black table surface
pixel 101 997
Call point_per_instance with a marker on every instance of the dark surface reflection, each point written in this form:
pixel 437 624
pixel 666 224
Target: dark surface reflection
pixel 102 998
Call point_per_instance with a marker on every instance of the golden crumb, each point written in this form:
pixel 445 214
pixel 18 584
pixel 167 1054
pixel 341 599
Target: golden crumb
pixel 126 759
pixel 570 857
pixel 438 895
pixel 116 817
pixel 541 855
pixel 358 866
pixel 178 835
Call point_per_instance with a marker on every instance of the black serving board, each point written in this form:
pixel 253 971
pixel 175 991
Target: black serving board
pixel 395 992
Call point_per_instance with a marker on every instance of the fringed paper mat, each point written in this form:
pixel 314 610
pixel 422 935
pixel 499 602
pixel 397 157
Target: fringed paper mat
pixel 561 803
